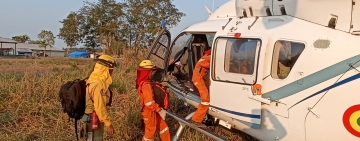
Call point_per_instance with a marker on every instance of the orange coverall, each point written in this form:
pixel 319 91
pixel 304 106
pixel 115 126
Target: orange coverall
pixel 200 70
pixel 152 119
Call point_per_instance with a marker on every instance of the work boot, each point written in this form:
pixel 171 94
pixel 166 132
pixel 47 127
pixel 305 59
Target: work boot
pixel 197 124
pixel 209 122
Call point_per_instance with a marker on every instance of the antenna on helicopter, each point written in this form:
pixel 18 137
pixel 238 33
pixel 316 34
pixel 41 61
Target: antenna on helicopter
pixel 209 12
pixel 212 10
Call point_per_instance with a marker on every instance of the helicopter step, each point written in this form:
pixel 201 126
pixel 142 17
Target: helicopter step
pixel 183 123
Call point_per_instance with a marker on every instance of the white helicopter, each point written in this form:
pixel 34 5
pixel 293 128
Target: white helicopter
pixel 301 59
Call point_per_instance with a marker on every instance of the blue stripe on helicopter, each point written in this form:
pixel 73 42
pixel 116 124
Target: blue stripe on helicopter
pixel 314 79
pixel 349 79
pixel 252 125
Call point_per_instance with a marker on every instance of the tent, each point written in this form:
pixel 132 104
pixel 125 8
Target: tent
pixel 77 54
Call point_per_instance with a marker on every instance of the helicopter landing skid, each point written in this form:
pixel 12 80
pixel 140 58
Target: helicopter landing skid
pixel 183 123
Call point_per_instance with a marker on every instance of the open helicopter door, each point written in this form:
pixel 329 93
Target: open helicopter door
pixel 237 68
pixel 159 53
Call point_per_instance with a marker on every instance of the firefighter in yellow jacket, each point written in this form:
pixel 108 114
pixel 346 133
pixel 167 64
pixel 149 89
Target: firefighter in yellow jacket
pixel 98 97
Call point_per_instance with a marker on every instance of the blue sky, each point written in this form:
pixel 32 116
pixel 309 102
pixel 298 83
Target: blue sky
pixel 29 17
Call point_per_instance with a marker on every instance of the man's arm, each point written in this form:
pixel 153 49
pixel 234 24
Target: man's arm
pixel 204 61
pixel 149 98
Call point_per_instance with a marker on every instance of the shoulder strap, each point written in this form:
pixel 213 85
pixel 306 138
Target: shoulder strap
pixel 87 87
pixel 152 83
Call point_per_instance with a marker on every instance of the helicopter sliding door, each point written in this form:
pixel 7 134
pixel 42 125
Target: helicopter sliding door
pixel 237 65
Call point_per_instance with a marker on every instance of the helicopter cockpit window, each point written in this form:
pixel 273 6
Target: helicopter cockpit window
pixel 240 56
pixel 285 56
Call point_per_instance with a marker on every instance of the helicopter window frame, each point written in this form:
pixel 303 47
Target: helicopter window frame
pixel 218 66
pixel 210 36
pixel 275 57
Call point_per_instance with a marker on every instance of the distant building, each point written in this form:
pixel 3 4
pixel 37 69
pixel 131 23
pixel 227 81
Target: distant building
pixel 11 47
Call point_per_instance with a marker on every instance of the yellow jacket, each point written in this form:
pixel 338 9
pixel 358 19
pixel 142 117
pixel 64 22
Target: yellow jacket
pixel 101 97
pixel 98 83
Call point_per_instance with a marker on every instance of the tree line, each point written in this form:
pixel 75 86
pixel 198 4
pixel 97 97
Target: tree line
pixel 116 25
pixel 112 25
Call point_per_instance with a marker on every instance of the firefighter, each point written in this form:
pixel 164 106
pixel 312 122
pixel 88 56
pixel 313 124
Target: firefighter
pixel 152 115
pixel 98 96
pixel 200 70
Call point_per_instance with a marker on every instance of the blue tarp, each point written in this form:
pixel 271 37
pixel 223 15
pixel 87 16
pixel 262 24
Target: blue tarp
pixel 77 54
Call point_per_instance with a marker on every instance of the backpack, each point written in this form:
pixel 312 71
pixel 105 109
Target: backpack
pixel 72 96
pixel 73 99
pixel 161 97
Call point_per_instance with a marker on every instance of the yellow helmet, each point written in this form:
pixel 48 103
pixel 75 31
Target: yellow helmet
pixel 106 60
pixel 106 57
pixel 147 64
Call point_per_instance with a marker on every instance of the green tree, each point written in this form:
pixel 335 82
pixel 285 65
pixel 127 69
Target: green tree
pixel 91 43
pixel 96 23
pixel 47 39
pixel 21 38
pixel 71 31
pixel 118 46
pixel 103 21
pixel 34 42
pixel 143 19
pixel 131 22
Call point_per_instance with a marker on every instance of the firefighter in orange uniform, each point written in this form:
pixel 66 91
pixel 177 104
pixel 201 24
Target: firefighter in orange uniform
pixel 152 114
pixel 200 70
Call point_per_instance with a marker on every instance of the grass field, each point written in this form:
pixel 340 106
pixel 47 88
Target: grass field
pixel 30 107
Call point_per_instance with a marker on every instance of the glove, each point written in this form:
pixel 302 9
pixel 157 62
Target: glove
pixel 162 113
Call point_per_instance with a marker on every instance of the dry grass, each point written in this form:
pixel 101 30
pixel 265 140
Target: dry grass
pixel 30 108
